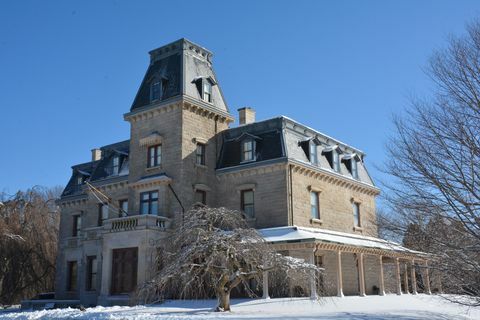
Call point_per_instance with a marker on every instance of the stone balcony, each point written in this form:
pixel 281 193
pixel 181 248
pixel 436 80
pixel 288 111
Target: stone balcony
pixel 137 222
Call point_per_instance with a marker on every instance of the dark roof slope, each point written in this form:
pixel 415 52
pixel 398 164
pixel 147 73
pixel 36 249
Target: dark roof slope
pixel 267 135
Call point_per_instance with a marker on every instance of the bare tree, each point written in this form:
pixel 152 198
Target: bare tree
pixel 212 252
pixel 434 159
pixel 28 243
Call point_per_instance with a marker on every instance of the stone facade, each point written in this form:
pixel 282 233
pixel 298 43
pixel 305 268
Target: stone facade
pixel 283 171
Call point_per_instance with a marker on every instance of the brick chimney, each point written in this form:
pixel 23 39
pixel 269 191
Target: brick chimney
pixel 96 154
pixel 246 115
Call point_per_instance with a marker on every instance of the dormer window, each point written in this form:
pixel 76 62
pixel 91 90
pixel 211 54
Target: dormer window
pixel 332 153
pixel 207 90
pixel 313 153
pixel 310 147
pixel 115 165
pixel 156 90
pixel 80 180
pixel 351 162
pixel 248 150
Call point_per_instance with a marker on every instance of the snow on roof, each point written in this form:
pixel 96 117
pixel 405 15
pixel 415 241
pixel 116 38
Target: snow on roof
pixel 294 233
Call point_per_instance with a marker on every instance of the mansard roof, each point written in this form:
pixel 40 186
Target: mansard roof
pixel 282 139
pixel 95 171
pixel 182 65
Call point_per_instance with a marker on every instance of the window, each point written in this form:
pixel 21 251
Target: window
pixel 313 153
pixel 91 284
pixel 149 202
pixel 72 276
pixel 102 213
pixel 333 159
pixel 156 90
pixel 200 153
pixel 80 180
pixel 247 203
pixel 207 90
pixel 354 168
pixel 115 165
pixel 77 225
pixel 315 204
pixel 248 150
pixel 123 208
pixel 356 214
pixel 200 196
pixel 154 155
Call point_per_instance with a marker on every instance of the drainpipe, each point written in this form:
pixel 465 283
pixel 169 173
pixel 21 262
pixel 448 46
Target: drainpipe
pixel 179 202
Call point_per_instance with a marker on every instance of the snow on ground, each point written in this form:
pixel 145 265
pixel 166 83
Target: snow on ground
pixel 419 307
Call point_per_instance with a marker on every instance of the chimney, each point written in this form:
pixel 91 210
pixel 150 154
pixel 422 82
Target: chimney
pixel 246 115
pixel 96 154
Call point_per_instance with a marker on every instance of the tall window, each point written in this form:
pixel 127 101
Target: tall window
pixel 200 153
pixel 91 284
pixel 313 153
pixel 336 161
pixel 154 155
pixel 77 225
pixel 72 276
pixel 156 90
pixel 149 202
pixel 102 213
pixel 247 203
pixel 315 205
pixel 354 168
pixel 356 214
pixel 248 150
pixel 80 180
pixel 123 208
pixel 201 196
pixel 115 165
pixel 207 90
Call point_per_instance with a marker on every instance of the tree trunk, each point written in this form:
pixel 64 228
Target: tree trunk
pixel 223 297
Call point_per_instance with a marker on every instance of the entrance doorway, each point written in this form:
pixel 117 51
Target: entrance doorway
pixel 124 270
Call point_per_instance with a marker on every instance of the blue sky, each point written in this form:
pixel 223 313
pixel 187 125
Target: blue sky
pixel 69 70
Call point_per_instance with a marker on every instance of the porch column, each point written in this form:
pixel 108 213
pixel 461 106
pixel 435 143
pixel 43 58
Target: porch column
pixel 339 275
pixel 405 278
pixel 313 285
pixel 399 286
pixel 382 283
pixel 361 275
pixel 265 285
pixel 427 279
pixel 414 278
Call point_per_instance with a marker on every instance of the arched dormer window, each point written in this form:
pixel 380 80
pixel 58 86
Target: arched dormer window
pixel 204 85
pixel 310 147
pixel 248 147
pixel 332 153
pixel 351 162
pixel 156 90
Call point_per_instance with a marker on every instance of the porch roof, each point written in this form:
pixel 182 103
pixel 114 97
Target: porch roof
pixel 302 234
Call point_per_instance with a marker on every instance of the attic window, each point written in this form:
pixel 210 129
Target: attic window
pixel 80 180
pixel 115 165
pixel 156 90
pixel 248 150
pixel 313 153
pixel 310 147
pixel 333 158
pixel 351 162
pixel 207 90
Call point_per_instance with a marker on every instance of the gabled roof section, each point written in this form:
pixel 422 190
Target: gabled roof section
pixel 181 65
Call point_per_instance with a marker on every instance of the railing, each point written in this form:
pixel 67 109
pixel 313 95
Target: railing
pixel 137 222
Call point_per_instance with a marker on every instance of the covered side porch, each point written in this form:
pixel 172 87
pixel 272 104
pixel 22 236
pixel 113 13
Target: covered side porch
pixel 354 264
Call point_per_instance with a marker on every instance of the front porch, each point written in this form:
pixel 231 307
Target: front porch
pixel 354 264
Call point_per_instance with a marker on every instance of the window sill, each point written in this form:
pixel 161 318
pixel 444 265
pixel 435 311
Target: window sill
pixel 200 166
pixel 247 161
pixel 317 221
pixel 357 228
pixel 153 168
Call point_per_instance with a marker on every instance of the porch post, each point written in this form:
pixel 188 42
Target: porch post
pixel 361 275
pixel 313 285
pixel 339 274
pixel 414 278
pixel 427 279
pixel 382 283
pixel 265 285
pixel 405 278
pixel 399 286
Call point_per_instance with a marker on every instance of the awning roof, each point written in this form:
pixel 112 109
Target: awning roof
pixel 302 234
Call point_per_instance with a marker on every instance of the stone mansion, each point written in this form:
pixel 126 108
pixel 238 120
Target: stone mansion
pixel 309 194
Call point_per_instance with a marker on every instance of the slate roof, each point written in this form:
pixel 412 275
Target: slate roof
pixel 96 171
pixel 181 64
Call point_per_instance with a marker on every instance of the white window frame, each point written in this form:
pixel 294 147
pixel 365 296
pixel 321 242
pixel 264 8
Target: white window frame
pixel 251 150
pixel 206 90
pixel 154 84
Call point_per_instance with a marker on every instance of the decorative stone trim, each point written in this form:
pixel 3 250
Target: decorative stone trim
pixel 314 189
pixel 246 186
pixel 206 111
pixel 252 171
pixel 355 200
pixel 316 221
pixel 201 186
pixel 153 139
pixel 153 182
pixel 152 111
pixel 200 140
pixel 355 228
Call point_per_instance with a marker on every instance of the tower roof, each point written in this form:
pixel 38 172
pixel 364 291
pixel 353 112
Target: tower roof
pixel 180 68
